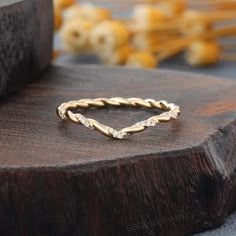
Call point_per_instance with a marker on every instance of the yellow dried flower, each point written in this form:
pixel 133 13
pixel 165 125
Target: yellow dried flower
pixel 203 53
pixel 193 25
pixel 147 16
pixel 57 19
pixel 231 5
pixel 109 35
pixel 142 59
pixel 145 41
pixel 173 9
pixel 62 4
pixel 75 35
pixel 88 12
pixel 117 57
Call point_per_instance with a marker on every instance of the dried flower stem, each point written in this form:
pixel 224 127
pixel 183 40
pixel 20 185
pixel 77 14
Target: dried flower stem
pixel 177 45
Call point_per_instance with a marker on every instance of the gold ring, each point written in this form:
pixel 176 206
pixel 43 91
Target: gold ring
pixel 64 111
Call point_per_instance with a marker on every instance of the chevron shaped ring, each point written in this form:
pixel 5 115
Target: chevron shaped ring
pixel 66 111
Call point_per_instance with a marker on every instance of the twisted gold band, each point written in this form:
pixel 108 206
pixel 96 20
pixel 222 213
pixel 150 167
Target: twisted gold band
pixel 64 111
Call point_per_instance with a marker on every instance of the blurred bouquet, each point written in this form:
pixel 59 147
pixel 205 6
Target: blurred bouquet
pixel 155 31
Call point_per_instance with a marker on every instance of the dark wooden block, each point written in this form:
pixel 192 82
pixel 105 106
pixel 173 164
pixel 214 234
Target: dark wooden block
pixel 59 178
pixel 26 33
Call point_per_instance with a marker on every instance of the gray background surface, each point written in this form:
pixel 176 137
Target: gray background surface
pixel 224 70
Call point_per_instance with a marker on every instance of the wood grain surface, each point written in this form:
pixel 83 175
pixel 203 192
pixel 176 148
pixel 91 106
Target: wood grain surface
pixel 26 33
pixel 58 178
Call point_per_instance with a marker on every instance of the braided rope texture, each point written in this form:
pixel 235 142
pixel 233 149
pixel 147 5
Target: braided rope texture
pixel 65 112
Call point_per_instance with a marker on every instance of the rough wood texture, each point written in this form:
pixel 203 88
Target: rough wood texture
pixel 26 32
pixel 58 178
